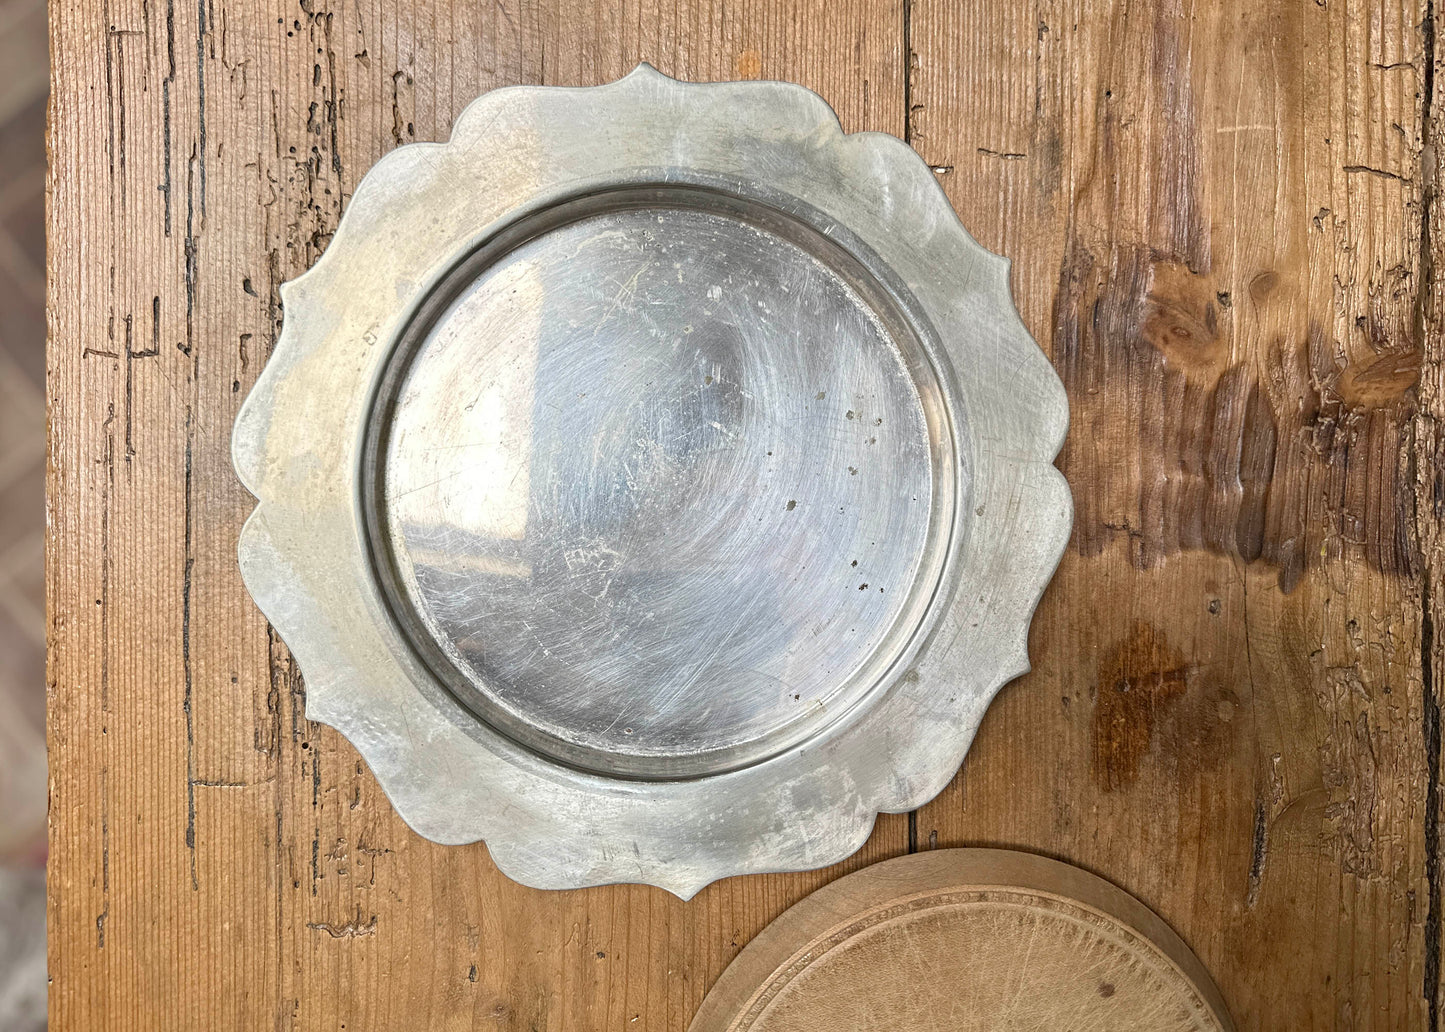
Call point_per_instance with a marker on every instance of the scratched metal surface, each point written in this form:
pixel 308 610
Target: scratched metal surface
pixel 670 505
pixel 660 487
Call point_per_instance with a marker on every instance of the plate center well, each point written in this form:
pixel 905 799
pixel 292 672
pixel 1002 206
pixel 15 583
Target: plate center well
pixel 659 488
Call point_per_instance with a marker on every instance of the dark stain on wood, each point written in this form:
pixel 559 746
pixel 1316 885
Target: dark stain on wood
pixel 1250 428
pixel 1139 679
pixel 1287 457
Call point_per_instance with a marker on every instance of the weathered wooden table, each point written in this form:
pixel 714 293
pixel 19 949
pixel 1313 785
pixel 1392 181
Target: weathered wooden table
pixel 1223 226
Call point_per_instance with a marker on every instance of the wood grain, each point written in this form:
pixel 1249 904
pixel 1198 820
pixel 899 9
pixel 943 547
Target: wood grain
pixel 1214 216
pixel 965 940
pixel 216 860
pixel 1217 215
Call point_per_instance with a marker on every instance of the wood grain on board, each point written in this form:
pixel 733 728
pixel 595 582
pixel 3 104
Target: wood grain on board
pixel 1215 216
pixel 965 940
pixel 1218 216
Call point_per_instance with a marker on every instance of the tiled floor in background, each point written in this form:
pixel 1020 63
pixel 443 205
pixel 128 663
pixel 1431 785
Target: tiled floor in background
pixel 23 89
pixel 22 354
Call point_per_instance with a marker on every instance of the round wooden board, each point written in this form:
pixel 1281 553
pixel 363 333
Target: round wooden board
pixel 965 939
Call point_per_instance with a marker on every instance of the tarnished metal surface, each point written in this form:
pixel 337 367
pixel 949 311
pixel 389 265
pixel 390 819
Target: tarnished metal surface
pixel 659 486
pixel 654 482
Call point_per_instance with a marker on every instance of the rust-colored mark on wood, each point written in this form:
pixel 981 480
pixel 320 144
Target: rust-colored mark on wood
pixel 749 65
pixel 1139 678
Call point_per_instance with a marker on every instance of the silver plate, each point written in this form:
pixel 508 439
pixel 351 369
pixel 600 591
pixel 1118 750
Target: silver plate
pixel 654 481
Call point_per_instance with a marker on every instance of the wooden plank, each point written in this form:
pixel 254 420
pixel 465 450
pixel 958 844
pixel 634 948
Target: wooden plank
pixel 1214 215
pixel 217 861
pixel 1429 488
pixel 1215 218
